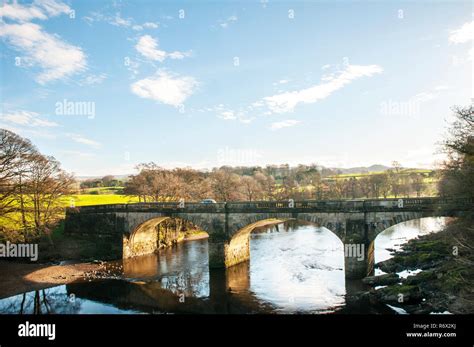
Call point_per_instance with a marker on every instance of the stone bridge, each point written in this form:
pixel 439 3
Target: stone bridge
pixel 131 228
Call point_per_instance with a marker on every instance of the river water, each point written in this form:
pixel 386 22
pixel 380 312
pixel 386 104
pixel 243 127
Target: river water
pixel 294 268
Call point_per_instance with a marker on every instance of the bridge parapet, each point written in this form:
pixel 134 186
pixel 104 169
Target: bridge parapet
pixel 362 205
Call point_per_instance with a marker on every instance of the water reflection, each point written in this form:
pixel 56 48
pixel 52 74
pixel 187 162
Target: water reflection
pixel 294 268
pixel 394 237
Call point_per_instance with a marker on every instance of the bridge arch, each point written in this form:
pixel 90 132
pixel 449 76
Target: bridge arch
pixel 237 249
pixel 384 239
pixel 145 237
pixel 377 223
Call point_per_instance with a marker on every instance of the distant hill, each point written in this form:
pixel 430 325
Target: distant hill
pixel 85 178
pixel 362 169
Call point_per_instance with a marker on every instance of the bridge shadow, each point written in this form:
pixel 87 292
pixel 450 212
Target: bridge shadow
pixel 152 296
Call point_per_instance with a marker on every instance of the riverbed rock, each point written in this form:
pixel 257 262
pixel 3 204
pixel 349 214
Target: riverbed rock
pixel 390 265
pixel 400 294
pixel 382 280
pixel 420 278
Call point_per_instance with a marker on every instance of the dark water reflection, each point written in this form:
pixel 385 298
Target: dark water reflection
pixel 294 268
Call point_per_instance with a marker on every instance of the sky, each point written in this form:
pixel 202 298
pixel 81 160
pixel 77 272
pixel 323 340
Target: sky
pixel 105 85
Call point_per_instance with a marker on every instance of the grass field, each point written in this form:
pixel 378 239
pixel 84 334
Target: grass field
pixel 13 220
pixel 102 199
pixel 360 175
pixel 103 191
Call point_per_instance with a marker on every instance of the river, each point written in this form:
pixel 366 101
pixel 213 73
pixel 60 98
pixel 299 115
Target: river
pixel 294 268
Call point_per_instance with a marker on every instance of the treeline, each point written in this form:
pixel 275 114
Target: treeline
pixel 32 187
pixel 458 170
pixel 106 181
pixel 154 183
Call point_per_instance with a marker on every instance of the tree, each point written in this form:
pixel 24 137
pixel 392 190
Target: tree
pixel 417 183
pixel 267 183
pixel 384 184
pixel 44 188
pixel 225 185
pixel 15 153
pixel 458 170
pixel 288 188
pixel 251 188
pixel 365 186
pixel 107 181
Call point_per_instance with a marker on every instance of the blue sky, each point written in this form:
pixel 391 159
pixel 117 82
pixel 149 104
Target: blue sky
pixel 105 85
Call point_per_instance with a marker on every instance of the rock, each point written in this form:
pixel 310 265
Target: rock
pixel 421 277
pixel 400 294
pixel 390 265
pixel 381 280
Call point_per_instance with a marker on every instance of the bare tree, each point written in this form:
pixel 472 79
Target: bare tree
pixel 15 152
pixel 225 185
pixel 458 170
pixel 44 188
pixel 251 189
pixel 267 183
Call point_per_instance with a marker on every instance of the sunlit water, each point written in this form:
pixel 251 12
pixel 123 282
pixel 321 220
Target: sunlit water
pixel 294 268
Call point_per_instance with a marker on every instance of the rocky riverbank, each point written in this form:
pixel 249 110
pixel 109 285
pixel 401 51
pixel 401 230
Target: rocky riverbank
pixel 431 274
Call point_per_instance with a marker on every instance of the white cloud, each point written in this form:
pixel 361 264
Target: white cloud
pixel 26 118
pixel 148 47
pixel 133 66
pixel 284 124
pixel 280 82
pixel 150 25
pixel 286 102
pixel 39 9
pixel 22 13
pixel 226 22
pixel 178 55
pixel 83 140
pixel 231 115
pixel 56 58
pixel 52 7
pixel 432 94
pixel 165 88
pixel 117 20
pixel 463 34
pixel 94 79
pixel 228 115
pixel 147 25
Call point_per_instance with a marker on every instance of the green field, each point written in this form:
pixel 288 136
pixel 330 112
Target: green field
pixel 365 174
pixel 13 220
pixel 102 199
